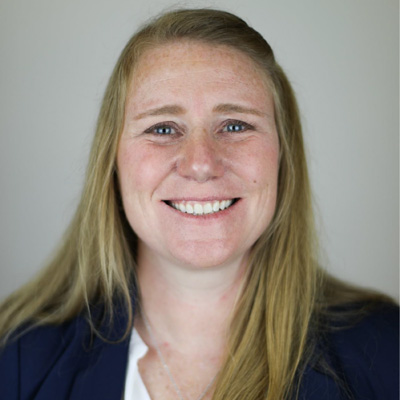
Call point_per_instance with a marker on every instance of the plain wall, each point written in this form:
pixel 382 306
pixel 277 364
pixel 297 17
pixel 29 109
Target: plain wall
pixel 341 57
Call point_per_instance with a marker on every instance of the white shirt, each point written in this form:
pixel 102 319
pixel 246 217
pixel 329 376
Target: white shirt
pixel 134 386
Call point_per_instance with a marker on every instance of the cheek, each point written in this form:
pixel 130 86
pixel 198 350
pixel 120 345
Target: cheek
pixel 258 164
pixel 266 167
pixel 140 168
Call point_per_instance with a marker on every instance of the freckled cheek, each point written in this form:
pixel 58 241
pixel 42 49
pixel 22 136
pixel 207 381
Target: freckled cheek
pixel 258 164
pixel 141 169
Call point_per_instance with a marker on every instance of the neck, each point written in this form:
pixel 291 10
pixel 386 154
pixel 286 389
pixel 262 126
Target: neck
pixel 188 307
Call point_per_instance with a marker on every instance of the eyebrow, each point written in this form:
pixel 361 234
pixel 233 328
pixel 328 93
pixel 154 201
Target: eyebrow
pixel 228 108
pixel 169 109
pixel 223 108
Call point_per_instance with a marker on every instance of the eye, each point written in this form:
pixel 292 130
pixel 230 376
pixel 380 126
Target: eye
pixel 236 126
pixel 162 129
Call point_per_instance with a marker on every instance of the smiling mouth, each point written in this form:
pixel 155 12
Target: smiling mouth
pixel 201 208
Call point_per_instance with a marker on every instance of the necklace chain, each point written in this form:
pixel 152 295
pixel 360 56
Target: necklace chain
pixel 165 365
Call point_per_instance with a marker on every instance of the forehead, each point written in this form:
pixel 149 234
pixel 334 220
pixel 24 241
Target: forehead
pixel 184 70
pixel 184 62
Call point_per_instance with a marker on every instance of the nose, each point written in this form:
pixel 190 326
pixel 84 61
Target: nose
pixel 200 157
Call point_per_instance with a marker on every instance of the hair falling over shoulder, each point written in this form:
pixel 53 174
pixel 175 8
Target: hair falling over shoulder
pixel 286 296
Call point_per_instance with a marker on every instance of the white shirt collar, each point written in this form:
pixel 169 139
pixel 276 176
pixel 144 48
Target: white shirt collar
pixel 134 386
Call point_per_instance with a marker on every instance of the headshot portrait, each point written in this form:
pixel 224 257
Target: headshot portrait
pixel 200 200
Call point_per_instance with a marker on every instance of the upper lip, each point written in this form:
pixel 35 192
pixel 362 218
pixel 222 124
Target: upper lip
pixel 200 199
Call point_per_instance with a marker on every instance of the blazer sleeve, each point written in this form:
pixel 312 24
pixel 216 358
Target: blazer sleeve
pixel 367 355
pixel 29 360
pixel 9 372
pixel 63 362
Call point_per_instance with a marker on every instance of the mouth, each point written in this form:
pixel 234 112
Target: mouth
pixel 201 207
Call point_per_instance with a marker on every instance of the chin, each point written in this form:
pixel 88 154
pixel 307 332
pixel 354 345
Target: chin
pixel 207 256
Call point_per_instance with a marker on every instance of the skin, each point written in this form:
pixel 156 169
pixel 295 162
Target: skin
pixel 177 145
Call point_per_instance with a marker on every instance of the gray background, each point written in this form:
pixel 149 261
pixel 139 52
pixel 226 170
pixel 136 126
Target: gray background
pixel 341 56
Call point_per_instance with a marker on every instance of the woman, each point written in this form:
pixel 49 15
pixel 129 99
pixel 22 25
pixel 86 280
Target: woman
pixel 189 270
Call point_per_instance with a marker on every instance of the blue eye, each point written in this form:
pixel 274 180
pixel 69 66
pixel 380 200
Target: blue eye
pixel 161 130
pixel 234 127
pixel 164 130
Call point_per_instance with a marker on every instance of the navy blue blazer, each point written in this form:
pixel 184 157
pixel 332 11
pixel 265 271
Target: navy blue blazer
pixel 64 363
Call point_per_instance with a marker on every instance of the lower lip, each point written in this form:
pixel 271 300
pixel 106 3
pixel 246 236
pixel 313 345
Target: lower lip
pixel 205 217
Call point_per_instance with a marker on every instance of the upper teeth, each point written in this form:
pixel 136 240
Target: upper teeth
pixel 200 209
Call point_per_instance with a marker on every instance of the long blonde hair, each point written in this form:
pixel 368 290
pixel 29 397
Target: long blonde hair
pixel 285 293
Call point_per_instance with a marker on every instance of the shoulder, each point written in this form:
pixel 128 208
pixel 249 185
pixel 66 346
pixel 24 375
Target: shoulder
pixel 378 327
pixel 31 355
pixel 371 337
pixel 365 354
pixel 64 362
pixel 356 358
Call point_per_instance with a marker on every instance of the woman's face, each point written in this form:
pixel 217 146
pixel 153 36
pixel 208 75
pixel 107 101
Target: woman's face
pixel 198 156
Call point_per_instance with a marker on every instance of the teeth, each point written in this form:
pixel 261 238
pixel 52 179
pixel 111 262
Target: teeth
pixel 207 208
pixel 201 209
pixel 198 209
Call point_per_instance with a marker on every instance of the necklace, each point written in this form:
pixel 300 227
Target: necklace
pixel 165 365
